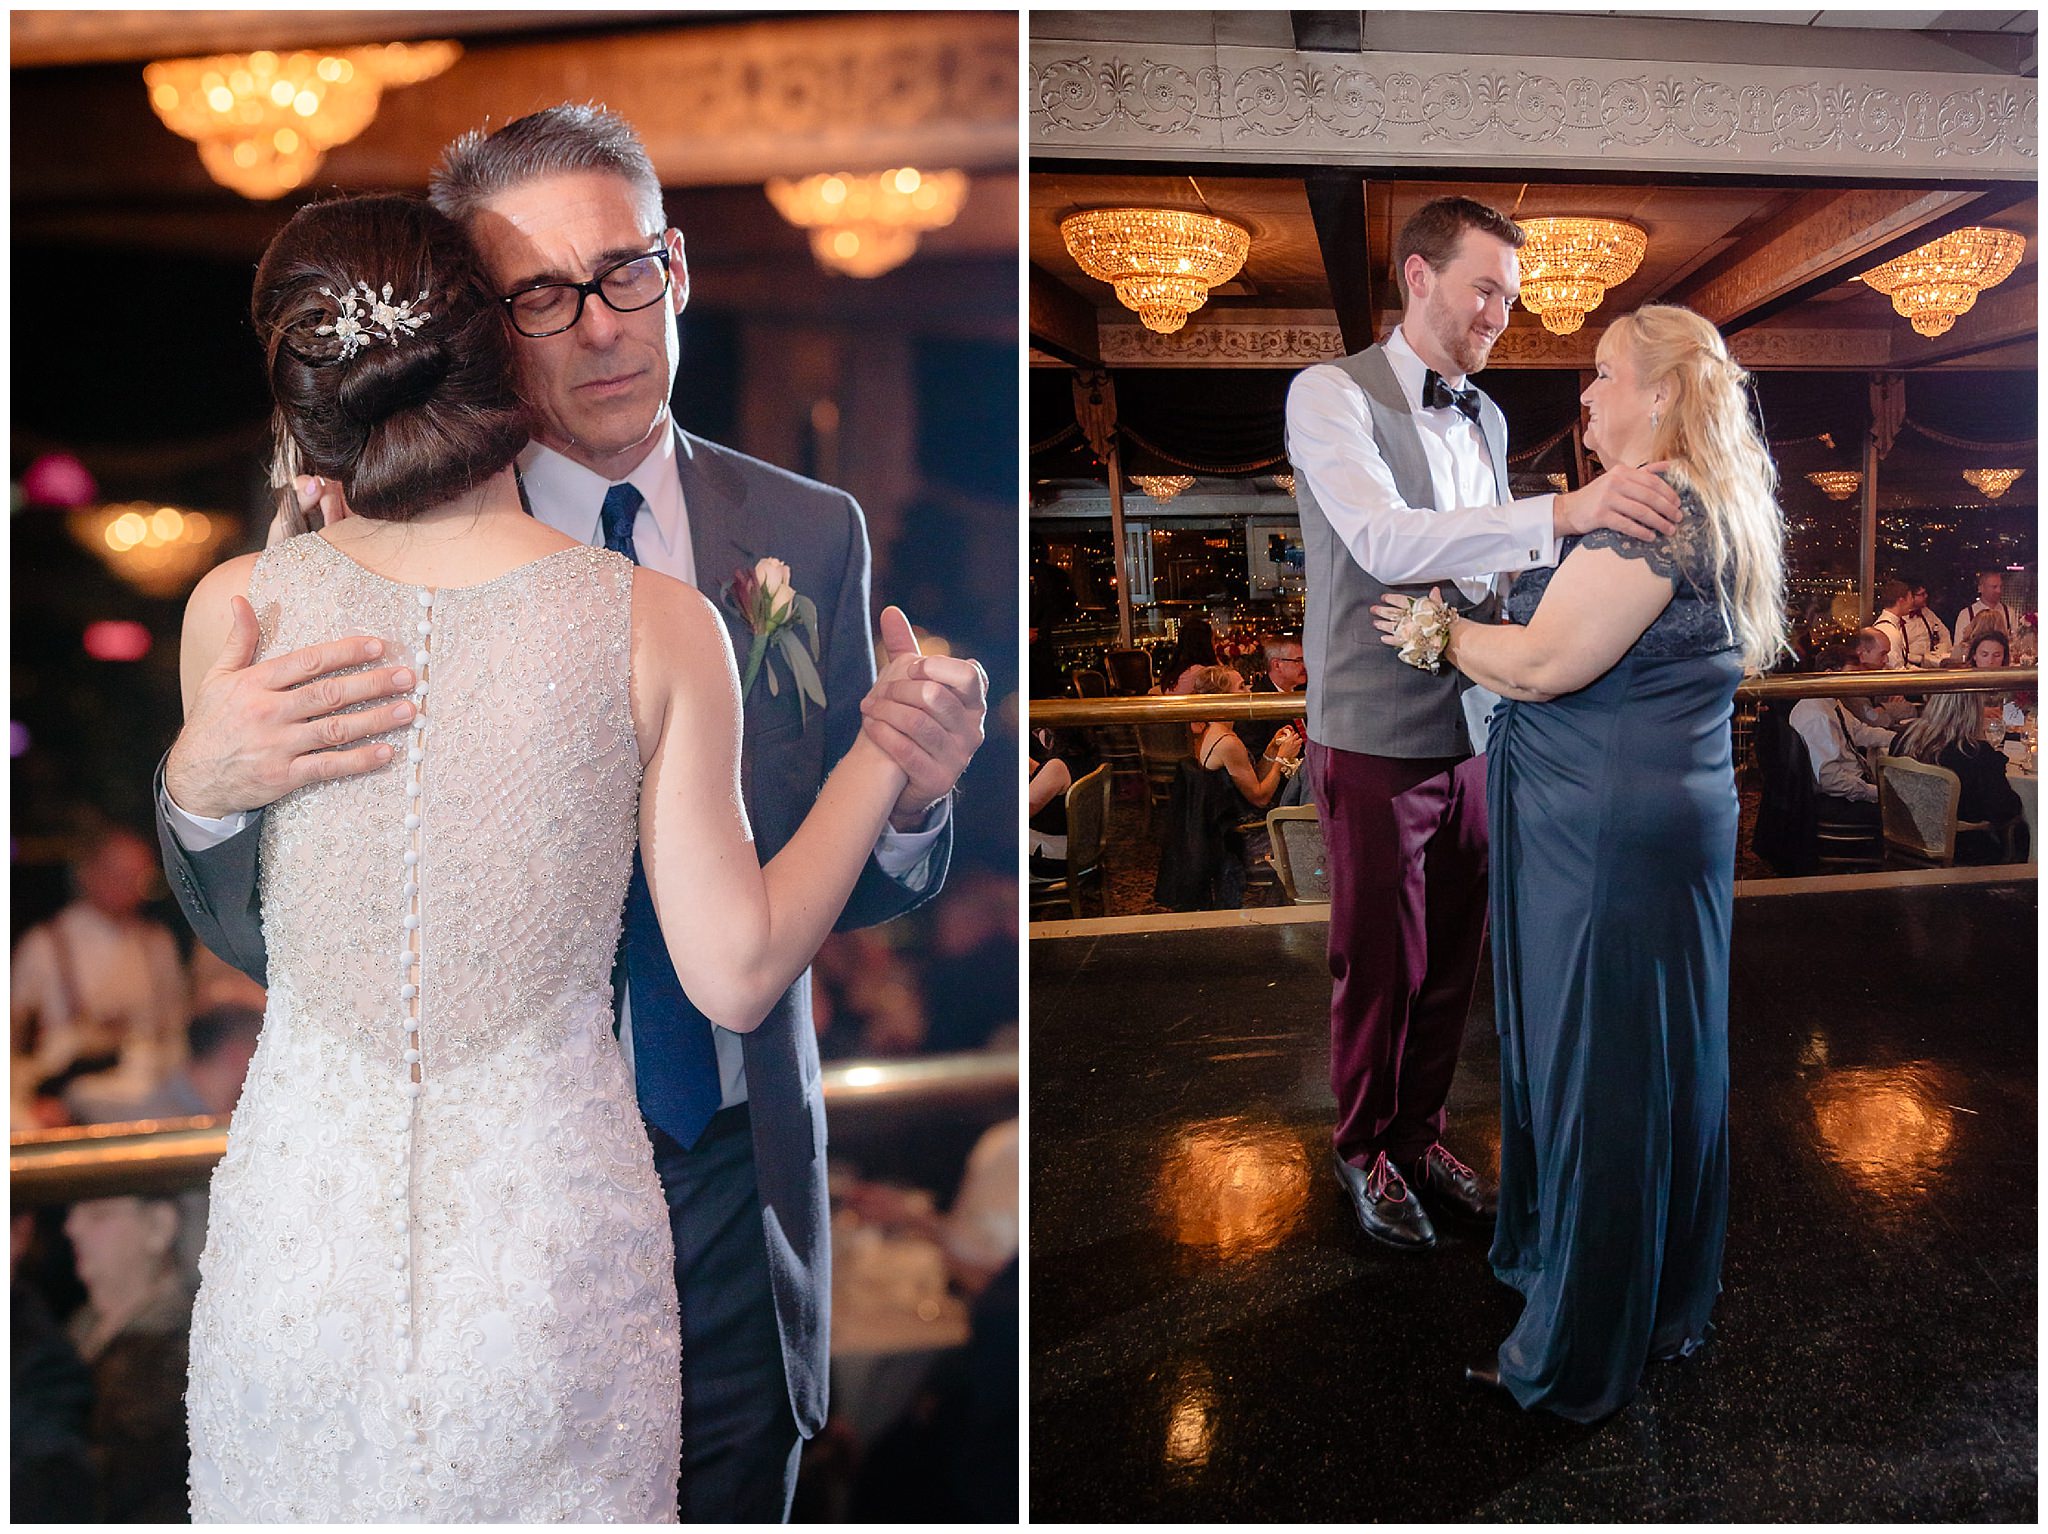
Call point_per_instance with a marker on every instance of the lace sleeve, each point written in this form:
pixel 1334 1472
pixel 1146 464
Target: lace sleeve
pixel 1678 555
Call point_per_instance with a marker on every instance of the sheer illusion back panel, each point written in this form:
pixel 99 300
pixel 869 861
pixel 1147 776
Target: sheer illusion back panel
pixel 438 1283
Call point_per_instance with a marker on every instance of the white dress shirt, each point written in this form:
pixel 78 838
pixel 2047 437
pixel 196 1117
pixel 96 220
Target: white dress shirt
pixel 1917 639
pixel 570 498
pixel 1469 537
pixel 1833 736
pixel 2002 611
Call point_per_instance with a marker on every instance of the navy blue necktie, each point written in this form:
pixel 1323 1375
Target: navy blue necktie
pixel 675 1064
pixel 1438 395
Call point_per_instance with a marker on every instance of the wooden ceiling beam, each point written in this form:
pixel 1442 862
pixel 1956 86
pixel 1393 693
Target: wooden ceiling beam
pixel 1062 322
pixel 1336 201
pixel 1825 239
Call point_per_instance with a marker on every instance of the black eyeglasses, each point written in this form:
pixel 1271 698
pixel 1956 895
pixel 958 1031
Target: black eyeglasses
pixel 549 308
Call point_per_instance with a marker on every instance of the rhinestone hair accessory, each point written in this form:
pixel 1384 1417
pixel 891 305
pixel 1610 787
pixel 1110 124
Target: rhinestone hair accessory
pixel 367 316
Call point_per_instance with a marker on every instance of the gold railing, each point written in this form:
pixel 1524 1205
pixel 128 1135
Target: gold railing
pixel 1244 707
pixel 170 1155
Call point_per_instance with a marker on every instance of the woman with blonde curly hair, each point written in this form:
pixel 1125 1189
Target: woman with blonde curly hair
pixel 1612 810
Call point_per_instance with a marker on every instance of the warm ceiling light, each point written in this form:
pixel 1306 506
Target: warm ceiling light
pixel 1285 481
pixel 1162 261
pixel 1992 482
pixel 867 225
pixel 1558 482
pixel 1568 264
pixel 159 550
pixel 1163 487
pixel 1931 286
pixel 264 121
pixel 1837 484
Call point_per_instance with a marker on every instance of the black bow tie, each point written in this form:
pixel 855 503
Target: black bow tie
pixel 1438 395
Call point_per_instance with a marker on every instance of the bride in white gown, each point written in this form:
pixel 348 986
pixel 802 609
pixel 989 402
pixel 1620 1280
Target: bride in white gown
pixel 437 1283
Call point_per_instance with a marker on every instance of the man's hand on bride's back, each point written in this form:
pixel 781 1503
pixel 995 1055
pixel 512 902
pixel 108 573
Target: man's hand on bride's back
pixel 255 731
pixel 1636 503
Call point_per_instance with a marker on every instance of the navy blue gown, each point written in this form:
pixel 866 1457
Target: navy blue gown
pixel 1613 823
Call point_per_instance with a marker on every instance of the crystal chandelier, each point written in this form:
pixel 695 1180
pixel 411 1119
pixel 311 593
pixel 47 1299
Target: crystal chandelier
pixel 1558 482
pixel 1837 484
pixel 1933 285
pixel 264 121
pixel 1161 261
pixel 1992 482
pixel 1163 487
pixel 1568 264
pixel 867 225
pixel 1285 482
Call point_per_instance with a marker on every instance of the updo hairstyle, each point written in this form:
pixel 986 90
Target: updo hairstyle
pixel 402 425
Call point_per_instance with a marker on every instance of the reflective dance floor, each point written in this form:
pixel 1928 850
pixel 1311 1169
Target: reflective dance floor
pixel 1212 1336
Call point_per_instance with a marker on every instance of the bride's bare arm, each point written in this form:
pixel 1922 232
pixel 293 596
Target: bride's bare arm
pixel 738 933
pixel 1596 606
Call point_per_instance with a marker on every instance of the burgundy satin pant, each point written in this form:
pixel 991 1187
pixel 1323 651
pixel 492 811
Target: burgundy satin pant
pixel 1406 840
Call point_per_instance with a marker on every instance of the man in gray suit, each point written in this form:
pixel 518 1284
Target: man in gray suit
pixel 1402 479
pixel 565 210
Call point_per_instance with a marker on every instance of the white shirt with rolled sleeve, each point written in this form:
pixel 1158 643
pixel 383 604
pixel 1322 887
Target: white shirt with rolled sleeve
pixel 1833 736
pixel 570 499
pixel 1469 538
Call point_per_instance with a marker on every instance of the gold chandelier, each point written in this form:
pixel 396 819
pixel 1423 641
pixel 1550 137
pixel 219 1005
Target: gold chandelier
pixel 1161 261
pixel 1163 487
pixel 1568 264
pixel 867 225
pixel 1992 482
pixel 1935 284
pixel 1837 484
pixel 1285 482
pixel 264 121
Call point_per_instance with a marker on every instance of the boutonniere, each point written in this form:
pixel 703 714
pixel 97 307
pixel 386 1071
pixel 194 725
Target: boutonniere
pixel 783 623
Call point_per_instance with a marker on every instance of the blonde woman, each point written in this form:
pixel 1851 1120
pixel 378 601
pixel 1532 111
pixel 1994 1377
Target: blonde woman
pixel 1611 802
pixel 1950 733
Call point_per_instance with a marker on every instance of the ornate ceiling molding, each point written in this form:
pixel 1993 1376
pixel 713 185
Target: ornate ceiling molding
pixel 1273 105
pixel 1300 345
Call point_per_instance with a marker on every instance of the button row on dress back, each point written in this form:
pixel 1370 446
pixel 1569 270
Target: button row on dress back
pixel 410 976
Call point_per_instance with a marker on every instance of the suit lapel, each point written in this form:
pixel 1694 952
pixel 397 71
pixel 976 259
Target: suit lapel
pixel 713 506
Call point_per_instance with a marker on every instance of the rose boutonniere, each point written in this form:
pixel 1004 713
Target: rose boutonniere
pixel 783 623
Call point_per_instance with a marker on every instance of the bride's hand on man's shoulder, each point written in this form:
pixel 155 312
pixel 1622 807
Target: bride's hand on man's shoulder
pixel 317 502
pixel 1635 502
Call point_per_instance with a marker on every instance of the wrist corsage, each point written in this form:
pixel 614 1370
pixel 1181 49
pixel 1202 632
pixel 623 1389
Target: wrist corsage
pixel 1425 633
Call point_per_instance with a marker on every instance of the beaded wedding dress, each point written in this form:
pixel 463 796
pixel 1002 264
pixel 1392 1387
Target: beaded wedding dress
pixel 437 1284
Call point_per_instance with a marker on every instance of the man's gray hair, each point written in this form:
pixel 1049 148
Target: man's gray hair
pixel 554 141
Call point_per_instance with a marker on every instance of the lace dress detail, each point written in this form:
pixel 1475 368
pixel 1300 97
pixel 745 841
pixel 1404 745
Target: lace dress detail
pixel 438 1283
pixel 1693 624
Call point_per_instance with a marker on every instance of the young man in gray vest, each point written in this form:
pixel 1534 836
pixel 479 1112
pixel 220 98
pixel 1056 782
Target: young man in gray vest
pixel 1402 479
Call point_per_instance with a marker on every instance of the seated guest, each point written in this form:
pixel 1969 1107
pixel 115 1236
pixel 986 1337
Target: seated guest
pixel 1286 671
pixel 1193 653
pixel 132 1333
pixel 1059 759
pixel 1990 607
pixel 1986 648
pixel 1872 653
pixel 99 983
pixel 1950 733
pixel 1834 740
pixel 1202 859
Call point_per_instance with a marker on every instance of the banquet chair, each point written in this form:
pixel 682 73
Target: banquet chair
pixel 1087 834
pixel 1918 802
pixel 1130 671
pixel 1300 861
